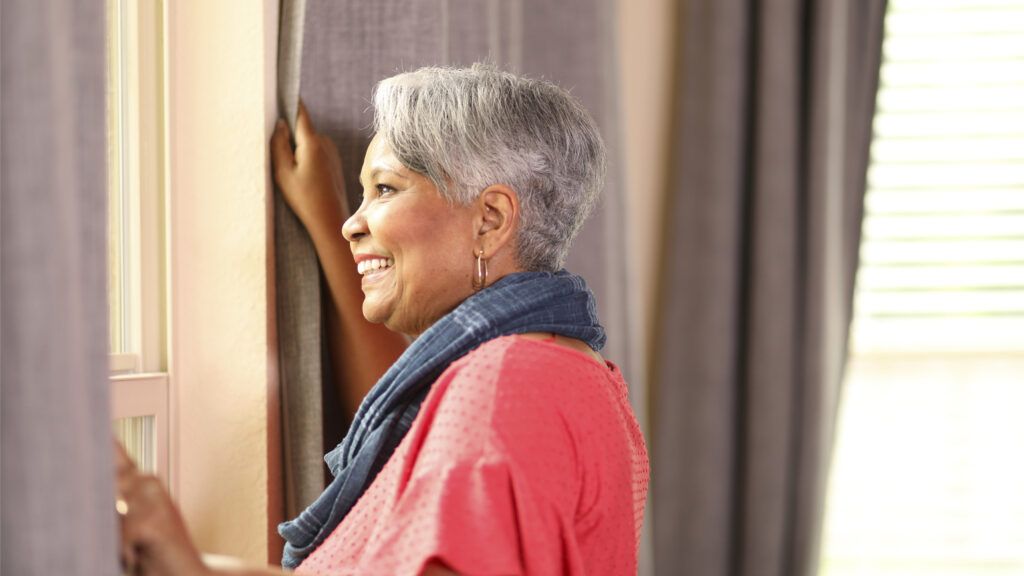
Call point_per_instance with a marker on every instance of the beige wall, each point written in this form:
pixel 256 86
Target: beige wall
pixel 220 63
pixel 646 59
pixel 646 44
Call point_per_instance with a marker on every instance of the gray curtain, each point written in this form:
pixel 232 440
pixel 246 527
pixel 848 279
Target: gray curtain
pixel 55 465
pixel 774 103
pixel 348 46
pixel 300 327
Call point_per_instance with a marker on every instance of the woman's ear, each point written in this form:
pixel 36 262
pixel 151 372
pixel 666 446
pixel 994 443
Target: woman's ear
pixel 498 216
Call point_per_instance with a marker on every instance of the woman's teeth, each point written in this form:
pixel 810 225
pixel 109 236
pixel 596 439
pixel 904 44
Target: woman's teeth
pixel 374 265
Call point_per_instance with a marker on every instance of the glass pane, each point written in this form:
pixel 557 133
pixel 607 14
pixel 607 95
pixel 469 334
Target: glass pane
pixel 115 201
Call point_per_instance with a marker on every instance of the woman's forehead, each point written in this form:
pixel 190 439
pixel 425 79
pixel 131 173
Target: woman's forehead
pixel 379 155
pixel 379 159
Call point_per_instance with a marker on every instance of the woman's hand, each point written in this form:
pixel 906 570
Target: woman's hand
pixel 312 182
pixel 311 177
pixel 154 539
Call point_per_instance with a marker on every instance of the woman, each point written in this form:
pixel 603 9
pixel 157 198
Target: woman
pixel 498 441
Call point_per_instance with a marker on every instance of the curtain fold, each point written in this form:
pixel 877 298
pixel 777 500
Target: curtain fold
pixel 774 104
pixel 299 318
pixel 350 45
pixel 56 471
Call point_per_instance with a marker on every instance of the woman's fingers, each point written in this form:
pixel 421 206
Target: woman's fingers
pixel 281 153
pixel 125 473
pixel 154 539
pixel 310 178
pixel 122 461
pixel 306 141
pixel 303 125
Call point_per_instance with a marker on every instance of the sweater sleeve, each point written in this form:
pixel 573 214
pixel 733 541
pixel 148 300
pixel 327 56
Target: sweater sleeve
pixel 463 516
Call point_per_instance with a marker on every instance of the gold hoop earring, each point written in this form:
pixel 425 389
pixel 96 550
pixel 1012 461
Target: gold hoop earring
pixel 480 277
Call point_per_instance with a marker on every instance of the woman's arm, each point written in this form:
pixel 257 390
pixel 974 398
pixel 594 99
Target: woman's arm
pixel 312 182
pixel 154 540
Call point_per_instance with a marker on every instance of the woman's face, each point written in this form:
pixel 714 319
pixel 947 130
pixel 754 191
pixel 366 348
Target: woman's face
pixel 412 247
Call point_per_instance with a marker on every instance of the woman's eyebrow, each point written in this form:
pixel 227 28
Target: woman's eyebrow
pixel 379 169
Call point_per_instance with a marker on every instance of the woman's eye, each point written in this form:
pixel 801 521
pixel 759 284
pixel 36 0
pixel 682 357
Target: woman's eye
pixel 384 189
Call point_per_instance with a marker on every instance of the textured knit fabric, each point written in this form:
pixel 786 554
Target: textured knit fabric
pixel 558 303
pixel 525 458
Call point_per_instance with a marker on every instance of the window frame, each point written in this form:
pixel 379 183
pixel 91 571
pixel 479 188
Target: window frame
pixel 139 382
pixel 206 80
pixel 139 395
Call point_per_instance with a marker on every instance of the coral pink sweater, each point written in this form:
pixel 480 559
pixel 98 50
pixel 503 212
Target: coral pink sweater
pixel 525 458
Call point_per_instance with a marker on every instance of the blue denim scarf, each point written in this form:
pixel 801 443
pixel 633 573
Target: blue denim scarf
pixel 557 303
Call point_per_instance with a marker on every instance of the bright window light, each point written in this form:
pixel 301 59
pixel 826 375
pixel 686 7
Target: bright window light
pixel 927 474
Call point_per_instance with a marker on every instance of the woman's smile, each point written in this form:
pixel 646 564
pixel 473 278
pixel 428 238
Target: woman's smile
pixel 377 272
pixel 372 268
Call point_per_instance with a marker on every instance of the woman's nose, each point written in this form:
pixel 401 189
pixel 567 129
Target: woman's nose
pixel 355 227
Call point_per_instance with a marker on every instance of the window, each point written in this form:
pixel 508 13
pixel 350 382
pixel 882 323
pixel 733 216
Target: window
pixel 135 148
pixel 927 471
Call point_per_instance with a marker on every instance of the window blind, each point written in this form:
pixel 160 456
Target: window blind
pixel 927 472
pixel 942 257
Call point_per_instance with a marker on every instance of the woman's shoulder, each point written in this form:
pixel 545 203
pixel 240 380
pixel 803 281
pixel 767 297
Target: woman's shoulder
pixel 551 414
pixel 517 353
pixel 514 378
pixel 499 400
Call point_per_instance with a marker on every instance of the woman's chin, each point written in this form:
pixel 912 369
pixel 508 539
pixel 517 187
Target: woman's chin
pixel 378 302
pixel 373 313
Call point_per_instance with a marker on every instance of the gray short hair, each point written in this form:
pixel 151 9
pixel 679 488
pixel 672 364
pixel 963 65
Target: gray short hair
pixel 469 128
